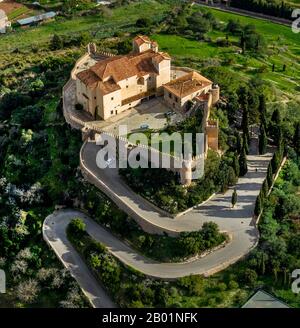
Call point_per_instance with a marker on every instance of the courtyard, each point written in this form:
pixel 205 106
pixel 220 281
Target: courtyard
pixel 151 114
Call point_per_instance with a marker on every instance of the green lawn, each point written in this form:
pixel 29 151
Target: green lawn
pixel 283 48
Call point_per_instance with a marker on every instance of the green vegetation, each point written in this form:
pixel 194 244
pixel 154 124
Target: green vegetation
pixel 277 8
pixel 218 46
pixel 39 154
pixel 162 248
pixel 163 188
pixel 269 266
pixel 130 288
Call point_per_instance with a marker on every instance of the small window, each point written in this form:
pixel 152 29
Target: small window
pixel 149 78
pixel 112 98
pixel 126 86
pixel 111 112
pixel 95 98
pixel 176 99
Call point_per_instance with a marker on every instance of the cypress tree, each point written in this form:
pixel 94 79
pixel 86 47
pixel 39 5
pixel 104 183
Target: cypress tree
pixel 275 130
pixel 234 198
pixel 231 179
pixel 238 142
pixel 263 141
pixel 275 162
pixel 276 118
pixel 258 205
pixel 245 125
pixel 245 144
pixel 244 102
pixel 263 110
pixel 270 176
pixel 243 162
pixel 265 188
pixel 296 141
pixel 236 165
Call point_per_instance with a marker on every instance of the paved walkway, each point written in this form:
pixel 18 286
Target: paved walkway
pixel 54 233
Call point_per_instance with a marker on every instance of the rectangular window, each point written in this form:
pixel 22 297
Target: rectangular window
pixel 170 95
pixel 126 86
pixel 112 98
pixel 111 112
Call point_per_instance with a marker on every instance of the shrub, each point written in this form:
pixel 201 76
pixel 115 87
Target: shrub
pixel 77 226
pixel 233 284
pixel 250 277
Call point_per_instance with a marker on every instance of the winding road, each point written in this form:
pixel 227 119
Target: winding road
pixel 237 222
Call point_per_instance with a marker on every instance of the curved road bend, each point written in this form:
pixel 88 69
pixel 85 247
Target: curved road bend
pixel 217 209
pixel 237 222
pixel 54 233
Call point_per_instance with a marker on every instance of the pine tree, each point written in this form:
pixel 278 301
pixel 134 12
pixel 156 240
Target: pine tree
pixel 243 162
pixel 262 140
pixel 234 198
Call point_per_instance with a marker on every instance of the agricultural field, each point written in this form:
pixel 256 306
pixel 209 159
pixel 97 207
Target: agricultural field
pixel 98 25
pixel 282 44
pixel 16 10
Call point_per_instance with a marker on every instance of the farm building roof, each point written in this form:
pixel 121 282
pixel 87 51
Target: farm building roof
pixel 262 299
pixel 36 19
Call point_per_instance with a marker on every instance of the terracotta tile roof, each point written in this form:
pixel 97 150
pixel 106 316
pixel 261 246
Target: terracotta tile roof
pixel 140 39
pixel 187 84
pixel 108 86
pixel 203 97
pixel 119 68
pixel 88 78
pixel 160 56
